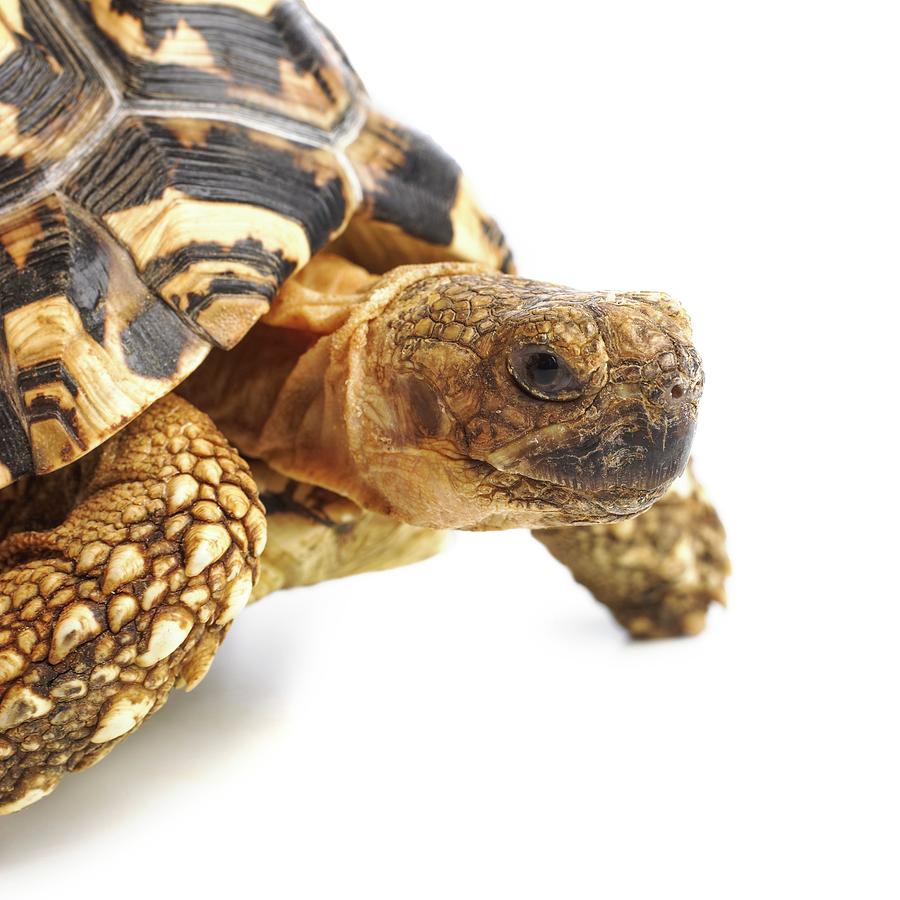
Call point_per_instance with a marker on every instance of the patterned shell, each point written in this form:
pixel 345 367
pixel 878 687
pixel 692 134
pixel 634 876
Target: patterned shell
pixel 164 168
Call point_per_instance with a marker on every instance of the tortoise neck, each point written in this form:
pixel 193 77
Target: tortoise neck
pixel 304 435
pixel 310 405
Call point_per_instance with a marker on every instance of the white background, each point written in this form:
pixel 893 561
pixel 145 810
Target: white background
pixel 475 727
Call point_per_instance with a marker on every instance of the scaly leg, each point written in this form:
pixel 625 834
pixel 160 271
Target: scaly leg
pixel 128 596
pixel 316 535
pixel 658 573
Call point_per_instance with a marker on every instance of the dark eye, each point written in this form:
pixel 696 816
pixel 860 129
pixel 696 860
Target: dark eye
pixel 543 373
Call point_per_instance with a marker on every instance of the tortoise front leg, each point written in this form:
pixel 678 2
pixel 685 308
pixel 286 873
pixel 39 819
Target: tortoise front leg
pixel 128 595
pixel 659 572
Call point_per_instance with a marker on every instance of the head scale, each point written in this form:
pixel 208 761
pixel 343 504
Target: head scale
pixel 492 401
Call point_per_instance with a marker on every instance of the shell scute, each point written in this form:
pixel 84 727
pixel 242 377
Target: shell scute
pixel 51 98
pixel 270 57
pixel 215 215
pixel 85 344
pixel 417 205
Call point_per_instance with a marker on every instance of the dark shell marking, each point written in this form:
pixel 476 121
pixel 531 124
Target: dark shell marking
pixel 164 168
pixel 270 57
pixel 169 190
pixel 416 204
pixel 86 345
pixel 409 162
pixel 50 97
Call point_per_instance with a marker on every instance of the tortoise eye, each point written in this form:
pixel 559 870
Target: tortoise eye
pixel 543 374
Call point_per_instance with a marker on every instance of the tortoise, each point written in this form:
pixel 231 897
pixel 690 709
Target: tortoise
pixel 238 301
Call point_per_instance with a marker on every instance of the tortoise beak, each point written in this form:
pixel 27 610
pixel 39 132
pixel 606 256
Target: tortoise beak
pixel 631 453
pixel 647 458
pixel 624 459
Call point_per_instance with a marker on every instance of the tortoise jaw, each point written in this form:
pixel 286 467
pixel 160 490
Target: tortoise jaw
pixel 618 471
pixel 541 502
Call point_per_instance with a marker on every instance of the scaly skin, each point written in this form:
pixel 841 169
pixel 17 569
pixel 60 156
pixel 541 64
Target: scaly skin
pixel 128 597
pixel 315 536
pixel 658 573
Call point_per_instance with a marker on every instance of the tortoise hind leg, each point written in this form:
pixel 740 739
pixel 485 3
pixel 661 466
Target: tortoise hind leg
pixel 657 573
pixel 316 535
pixel 128 596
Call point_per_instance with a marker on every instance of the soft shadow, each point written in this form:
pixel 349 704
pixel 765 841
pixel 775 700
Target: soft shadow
pixel 597 626
pixel 592 626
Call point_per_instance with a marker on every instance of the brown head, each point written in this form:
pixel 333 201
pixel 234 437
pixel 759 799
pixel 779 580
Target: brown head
pixel 481 400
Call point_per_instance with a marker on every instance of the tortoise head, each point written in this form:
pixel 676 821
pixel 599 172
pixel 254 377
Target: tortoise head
pixel 494 401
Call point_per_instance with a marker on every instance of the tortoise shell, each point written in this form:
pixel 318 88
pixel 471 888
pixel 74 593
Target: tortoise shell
pixel 164 168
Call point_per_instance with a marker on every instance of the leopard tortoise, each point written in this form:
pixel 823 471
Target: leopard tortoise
pixel 235 299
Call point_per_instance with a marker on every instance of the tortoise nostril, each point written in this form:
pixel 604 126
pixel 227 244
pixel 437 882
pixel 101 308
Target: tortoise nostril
pixel 677 391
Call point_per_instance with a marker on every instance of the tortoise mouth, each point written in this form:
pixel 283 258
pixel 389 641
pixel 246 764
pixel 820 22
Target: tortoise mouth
pixel 535 502
pixel 609 474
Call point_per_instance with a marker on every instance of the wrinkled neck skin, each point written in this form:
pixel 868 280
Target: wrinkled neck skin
pixel 332 421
